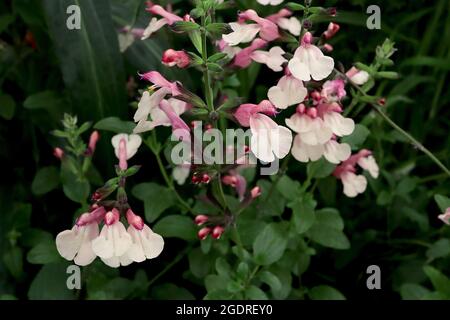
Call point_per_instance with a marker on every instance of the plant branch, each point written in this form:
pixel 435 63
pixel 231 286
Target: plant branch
pixel 408 136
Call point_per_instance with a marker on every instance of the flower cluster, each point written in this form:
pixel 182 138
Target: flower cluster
pixel 114 244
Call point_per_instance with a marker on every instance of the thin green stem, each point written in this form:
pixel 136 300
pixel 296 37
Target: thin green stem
pixel 170 265
pixel 207 82
pixel 415 142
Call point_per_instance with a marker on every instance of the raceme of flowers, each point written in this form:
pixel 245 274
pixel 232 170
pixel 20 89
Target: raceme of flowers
pixel 100 231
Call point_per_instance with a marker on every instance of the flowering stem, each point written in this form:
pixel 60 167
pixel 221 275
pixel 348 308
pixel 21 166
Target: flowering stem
pixel 413 140
pixel 207 82
pixel 169 182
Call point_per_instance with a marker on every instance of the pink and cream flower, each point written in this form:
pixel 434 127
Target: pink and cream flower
pixel 155 24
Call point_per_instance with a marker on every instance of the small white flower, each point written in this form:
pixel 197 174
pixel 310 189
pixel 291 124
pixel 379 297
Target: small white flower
pixel 242 33
pixel 268 138
pixel 287 92
pixel 309 62
pixel 339 125
pixel 291 24
pixel 273 58
pixel 353 184
pixel 269 2
pixel 76 244
pixel 113 241
pixel 368 163
pixel 133 141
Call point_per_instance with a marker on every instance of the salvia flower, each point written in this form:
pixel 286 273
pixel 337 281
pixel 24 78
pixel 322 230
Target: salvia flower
pixel 241 33
pixel 284 20
pixel 445 217
pixel 155 24
pixel 268 30
pixel 353 183
pixel 133 142
pixel 269 140
pixel 172 58
pixel 309 62
pixel 269 2
pixel 76 244
pixel 244 57
pixel 288 91
pixel 333 90
pixel 357 76
pixel 273 58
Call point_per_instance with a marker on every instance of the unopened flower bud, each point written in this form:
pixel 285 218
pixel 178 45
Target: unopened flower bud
pixel 217 232
pixel 331 11
pixel 172 58
pixel 112 217
pixel 328 47
pixel 312 112
pixel 93 139
pixel 96 196
pixel 332 29
pixel 134 220
pixel 206 178
pixel 382 101
pixel 255 192
pixel 58 153
pixel 203 233
pixel 195 179
pixel 307 24
pixel 201 219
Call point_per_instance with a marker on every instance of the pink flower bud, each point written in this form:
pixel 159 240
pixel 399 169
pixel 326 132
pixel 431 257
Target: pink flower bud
pixel 93 139
pixel 172 58
pixel 203 233
pixel 112 217
pixel 195 179
pixel 307 39
pixel 217 232
pixel 206 178
pixel 312 112
pixel 328 47
pixel 255 192
pixel 58 153
pixel 134 220
pixel 229 180
pixel 382 101
pixel 333 28
pixel 301 108
pixel 201 219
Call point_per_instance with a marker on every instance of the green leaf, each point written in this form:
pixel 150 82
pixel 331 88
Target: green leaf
pixel 156 199
pixel 288 188
pixel 45 180
pixel 324 292
pixel 388 75
pixel 270 244
pixel 442 201
pixel 303 216
pixel 199 263
pixel 327 230
pixel 217 57
pixel 295 6
pixel 270 279
pixel 7 105
pixel 43 253
pixel 13 260
pixel 184 26
pixel 116 125
pixel 440 282
pixel 222 267
pixel 413 291
pixel 5 21
pixel 75 188
pixel 176 226
pixel 439 249
pixel 196 39
pixel 220 28
pixel 255 293
pixel 170 291
pixel 357 138
pixel 320 168
pixel 89 57
pixel 51 283
pixel 43 100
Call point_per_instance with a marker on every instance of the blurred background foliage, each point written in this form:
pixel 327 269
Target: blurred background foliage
pixel 47 70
